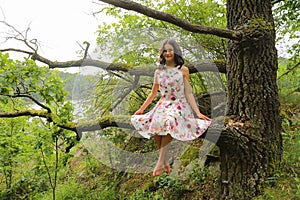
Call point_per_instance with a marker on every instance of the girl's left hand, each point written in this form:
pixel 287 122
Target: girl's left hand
pixel 201 116
pixel 139 112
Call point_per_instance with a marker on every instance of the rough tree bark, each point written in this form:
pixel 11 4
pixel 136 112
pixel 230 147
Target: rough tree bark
pixel 251 144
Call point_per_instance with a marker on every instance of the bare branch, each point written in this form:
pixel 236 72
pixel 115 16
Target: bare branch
pixel 21 37
pixel 130 5
pixel 85 49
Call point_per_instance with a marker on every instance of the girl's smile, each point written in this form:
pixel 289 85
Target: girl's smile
pixel 168 54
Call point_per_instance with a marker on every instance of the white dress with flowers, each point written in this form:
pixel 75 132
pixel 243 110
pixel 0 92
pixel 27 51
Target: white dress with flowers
pixel 172 114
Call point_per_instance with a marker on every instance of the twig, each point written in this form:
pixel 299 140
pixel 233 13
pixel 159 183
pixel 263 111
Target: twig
pixel 33 99
pixel 289 70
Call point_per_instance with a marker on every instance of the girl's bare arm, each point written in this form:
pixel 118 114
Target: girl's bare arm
pixel 150 97
pixel 189 94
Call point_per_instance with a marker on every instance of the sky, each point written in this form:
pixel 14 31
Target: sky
pixel 59 25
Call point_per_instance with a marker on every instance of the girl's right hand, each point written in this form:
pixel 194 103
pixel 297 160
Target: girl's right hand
pixel 139 112
pixel 201 116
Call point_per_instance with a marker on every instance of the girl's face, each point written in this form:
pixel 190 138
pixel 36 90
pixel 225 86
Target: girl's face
pixel 168 53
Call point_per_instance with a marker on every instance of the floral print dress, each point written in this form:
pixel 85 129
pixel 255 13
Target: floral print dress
pixel 172 114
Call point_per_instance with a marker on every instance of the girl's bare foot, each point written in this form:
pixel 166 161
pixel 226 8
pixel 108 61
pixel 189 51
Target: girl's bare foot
pixel 157 171
pixel 167 169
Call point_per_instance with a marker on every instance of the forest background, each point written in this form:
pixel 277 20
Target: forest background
pixel 41 155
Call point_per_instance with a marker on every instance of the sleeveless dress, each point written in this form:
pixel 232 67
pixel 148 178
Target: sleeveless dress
pixel 172 114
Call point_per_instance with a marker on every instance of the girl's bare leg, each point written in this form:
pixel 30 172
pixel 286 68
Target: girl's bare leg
pixel 162 159
pixel 157 139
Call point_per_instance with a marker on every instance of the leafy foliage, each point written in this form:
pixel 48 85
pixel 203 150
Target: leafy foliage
pixel 30 147
pixel 27 78
pixel 288 81
pixel 287 17
pixel 135 39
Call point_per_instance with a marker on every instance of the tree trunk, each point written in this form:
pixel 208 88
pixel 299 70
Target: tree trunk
pixel 251 146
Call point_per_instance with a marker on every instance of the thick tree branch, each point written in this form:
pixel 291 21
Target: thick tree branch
pixel 216 66
pixel 33 113
pixel 98 124
pixel 213 134
pixel 51 117
pixel 130 5
pixel 102 123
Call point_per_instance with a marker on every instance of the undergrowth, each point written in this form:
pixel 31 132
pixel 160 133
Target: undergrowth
pixel 285 184
pixel 90 179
